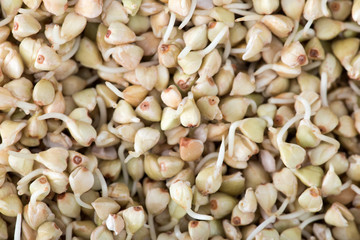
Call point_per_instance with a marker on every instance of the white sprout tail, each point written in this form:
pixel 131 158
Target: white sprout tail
pixel 104 188
pixel 114 89
pixel 81 202
pixel 169 27
pixel 198 216
pixel 17 234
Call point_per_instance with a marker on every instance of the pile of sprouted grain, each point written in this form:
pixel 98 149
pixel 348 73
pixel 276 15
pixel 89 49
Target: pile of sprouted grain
pixel 179 119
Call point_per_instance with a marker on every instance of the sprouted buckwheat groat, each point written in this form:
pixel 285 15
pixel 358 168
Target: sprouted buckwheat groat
pixel 179 119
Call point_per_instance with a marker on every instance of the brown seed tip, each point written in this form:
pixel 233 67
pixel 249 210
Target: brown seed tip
pixel 322 129
pixel 314 53
pixel 108 33
pixel 213 204
pixel 301 59
pixel 210 81
pixel 40 59
pixel 212 25
pixel 278 119
pixel 77 159
pixel 16 26
pixel 194 224
pixel 212 101
pixel 145 106
pixel 236 220
pixel 137 208
pixel 334 6
pixel 184 142
pixel 164 48
pixel 313 192
pixel 61 196
pixel 43 180
pixel 182 84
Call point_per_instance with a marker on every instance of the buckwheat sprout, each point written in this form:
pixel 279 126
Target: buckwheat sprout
pixel 60 128
pixel 269 120
pixel 25 106
pixel 305 30
pixel 190 14
pixel 133 190
pixel 68 231
pixel 328 234
pixel 198 216
pixel 355 188
pixel 169 27
pixel 311 66
pixel 57 36
pixel 72 52
pixel 231 137
pixel 251 43
pixel 104 187
pixel 310 220
pixel 151 226
pixel 24 181
pixel 323 89
pixel 324 8
pixel 77 128
pixel 102 110
pixel 121 155
pixel 346 185
pixel 212 45
pixel 10 113
pixel 277 68
pixel 180 108
pixel 114 89
pixel 227 50
pixel 292 35
pixel 252 104
pixel 44 75
pixel 7 20
pixel 204 160
pixel 177 232
pixel 168 226
pixel 232 130
pixel 237 6
pixel 241 12
pixel 36 14
pixel 238 50
pixel 354 87
pixel 34 196
pixel 92 79
pixel 111 128
pixel 306 106
pixel 307 116
pixel 17 233
pixel 107 54
pixel 287 125
pixel 251 71
pixel 220 158
pixel 269 220
pixel 275 100
pixel 27 178
pixel 191 165
pixel 252 17
pixel 292 215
